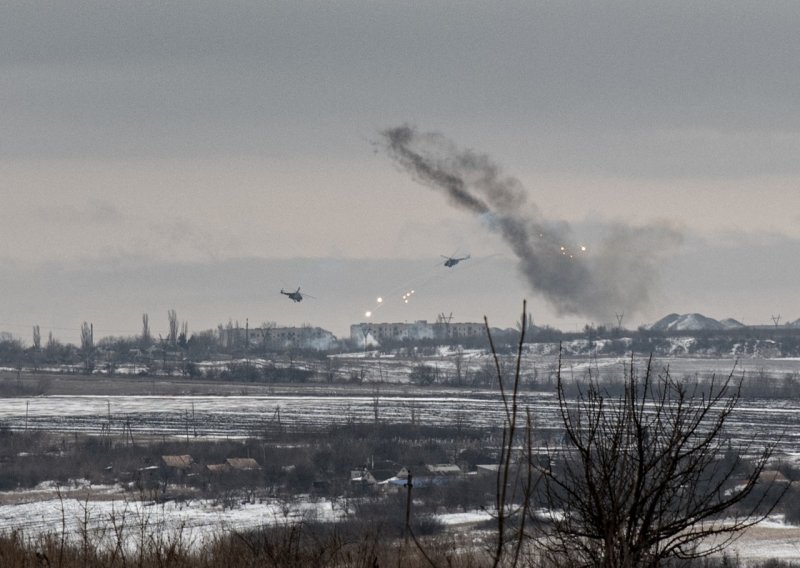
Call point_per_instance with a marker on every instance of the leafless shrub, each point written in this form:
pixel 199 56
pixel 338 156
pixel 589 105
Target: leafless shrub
pixel 640 478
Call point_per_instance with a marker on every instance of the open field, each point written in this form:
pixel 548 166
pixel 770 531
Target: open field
pixel 242 416
pixel 159 406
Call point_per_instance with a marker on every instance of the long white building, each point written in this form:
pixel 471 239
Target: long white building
pixel 373 333
pixel 306 337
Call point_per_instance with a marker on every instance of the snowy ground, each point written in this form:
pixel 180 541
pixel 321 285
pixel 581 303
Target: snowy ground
pixel 770 539
pixel 240 416
pixel 111 517
pixel 116 518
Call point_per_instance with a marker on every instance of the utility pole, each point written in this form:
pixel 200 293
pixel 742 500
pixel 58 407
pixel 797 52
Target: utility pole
pixel 366 330
pixel 407 527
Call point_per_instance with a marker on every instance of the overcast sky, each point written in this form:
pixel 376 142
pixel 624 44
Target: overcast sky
pixel 199 156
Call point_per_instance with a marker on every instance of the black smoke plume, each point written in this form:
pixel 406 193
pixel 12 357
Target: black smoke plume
pixel 614 275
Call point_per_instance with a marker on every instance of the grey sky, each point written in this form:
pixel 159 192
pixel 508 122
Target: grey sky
pixel 199 134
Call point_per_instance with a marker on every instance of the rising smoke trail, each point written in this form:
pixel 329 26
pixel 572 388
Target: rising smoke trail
pixel 617 274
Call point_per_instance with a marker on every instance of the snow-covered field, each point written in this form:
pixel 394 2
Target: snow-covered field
pixel 114 518
pixel 236 416
pixel 769 539
pixel 241 416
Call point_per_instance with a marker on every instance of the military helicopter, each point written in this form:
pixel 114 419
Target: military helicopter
pixel 451 261
pixel 296 296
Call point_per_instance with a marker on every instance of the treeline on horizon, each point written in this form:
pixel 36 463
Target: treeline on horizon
pixel 180 350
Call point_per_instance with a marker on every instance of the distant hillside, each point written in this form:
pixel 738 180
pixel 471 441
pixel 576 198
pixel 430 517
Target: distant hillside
pixel 688 322
pixel 730 323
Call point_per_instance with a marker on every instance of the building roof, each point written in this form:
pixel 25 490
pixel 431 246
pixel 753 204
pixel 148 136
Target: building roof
pixel 772 476
pixel 243 464
pixel 178 462
pixel 362 476
pixel 443 469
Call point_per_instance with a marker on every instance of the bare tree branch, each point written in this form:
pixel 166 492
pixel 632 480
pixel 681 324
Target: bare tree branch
pixel 642 476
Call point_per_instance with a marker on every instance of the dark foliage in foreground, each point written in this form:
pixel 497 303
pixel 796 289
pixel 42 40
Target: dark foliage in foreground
pixel 367 543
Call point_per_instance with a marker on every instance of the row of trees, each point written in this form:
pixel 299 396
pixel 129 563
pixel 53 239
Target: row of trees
pixel 90 352
pixel 233 339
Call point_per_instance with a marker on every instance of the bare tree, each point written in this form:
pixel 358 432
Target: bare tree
pixel 51 348
pixel 37 339
pixel 87 345
pixel 37 346
pixel 512 477
pixel 183 336
pixel 146 337
pixel 525 323
pixel 172 337
pixel 87 337
pixel 230 338
pixel 642 476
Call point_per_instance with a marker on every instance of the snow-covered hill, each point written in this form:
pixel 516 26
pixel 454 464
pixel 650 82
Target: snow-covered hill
pixel 730 323
pixel 692 322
